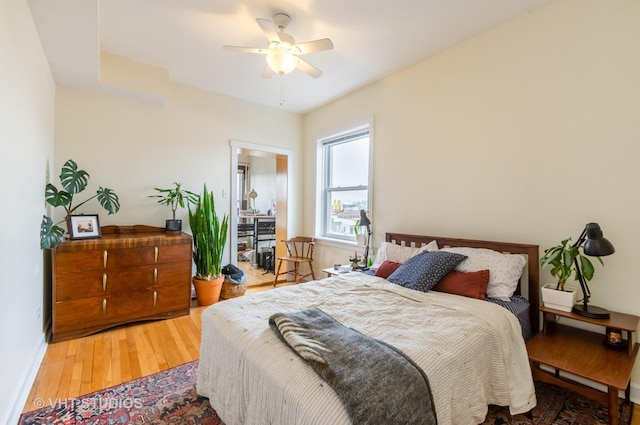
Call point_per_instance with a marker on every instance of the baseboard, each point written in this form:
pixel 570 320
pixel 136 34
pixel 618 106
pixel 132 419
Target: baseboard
pixel 635 393
pixel 27 382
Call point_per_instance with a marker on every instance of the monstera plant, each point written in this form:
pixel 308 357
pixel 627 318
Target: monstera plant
pixel 73 182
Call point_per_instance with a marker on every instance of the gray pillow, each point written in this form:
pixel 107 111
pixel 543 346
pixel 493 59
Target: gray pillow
pixel 423 271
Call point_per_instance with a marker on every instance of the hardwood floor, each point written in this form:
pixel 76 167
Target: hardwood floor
pixel 84 365
pixel 80 366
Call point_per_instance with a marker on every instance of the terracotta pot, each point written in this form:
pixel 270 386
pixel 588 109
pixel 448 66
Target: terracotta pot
pixel 208 291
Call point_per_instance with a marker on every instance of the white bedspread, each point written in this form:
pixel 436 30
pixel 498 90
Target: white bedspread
pixel 472 352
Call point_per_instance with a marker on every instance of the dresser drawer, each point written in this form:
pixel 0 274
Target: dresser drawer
pixel 78 261
pixel 87 284
pixel 111 309
pixel 171 298
pixel 130 257
pixel 131 305
pixel 172 274
pixel 175 254
pixel 92 283
pixel 147 277
pixel 81 261
pixel 85 312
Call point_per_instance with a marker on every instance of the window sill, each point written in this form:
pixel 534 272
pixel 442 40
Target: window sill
pixel 337 243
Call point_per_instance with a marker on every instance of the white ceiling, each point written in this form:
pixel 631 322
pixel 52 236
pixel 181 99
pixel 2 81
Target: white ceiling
pixel 372 39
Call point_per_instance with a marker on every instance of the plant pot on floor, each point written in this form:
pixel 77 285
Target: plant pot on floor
pixel 208 291
pixel 558 299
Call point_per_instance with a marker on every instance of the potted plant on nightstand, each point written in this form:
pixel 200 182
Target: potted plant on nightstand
pixel 174 198
pixel 209 239
pixel 561 258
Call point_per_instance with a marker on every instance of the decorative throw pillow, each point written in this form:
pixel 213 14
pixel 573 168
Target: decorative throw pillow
pixel 386 268
pixel 423 271
pixel 470 284
pixel 399 253
pixel 504 269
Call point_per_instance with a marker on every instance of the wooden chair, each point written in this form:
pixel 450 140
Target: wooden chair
pixel 299 251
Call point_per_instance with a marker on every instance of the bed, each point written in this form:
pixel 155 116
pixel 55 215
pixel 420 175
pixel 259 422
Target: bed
pixel 472 351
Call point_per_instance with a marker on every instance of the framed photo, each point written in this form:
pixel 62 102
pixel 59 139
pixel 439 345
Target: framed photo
pixel 614 338
pixel 84 226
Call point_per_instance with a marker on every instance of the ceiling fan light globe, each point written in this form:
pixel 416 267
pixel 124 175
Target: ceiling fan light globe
pixel 282 62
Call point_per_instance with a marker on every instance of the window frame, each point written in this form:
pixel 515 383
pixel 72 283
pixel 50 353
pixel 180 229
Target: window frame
pixel 323 192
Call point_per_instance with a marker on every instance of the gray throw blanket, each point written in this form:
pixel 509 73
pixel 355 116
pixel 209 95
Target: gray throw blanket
pixel 377 383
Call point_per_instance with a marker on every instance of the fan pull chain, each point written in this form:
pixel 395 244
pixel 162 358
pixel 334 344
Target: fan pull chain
pixel 281 89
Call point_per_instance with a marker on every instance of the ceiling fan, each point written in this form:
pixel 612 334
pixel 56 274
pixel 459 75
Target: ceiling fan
pixel 282 52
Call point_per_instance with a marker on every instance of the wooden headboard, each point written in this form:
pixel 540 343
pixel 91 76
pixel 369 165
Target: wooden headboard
pixel 530 251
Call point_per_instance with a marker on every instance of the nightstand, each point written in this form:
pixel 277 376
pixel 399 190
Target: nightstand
pixel 330 271
pixel 583 353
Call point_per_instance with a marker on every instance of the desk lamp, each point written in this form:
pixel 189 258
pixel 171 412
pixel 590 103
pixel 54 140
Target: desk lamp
pixel 365 222
pixel 595 245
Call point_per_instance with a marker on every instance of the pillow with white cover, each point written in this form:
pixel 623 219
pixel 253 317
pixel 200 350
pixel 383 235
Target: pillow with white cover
pixel 400 254
pixel 504 269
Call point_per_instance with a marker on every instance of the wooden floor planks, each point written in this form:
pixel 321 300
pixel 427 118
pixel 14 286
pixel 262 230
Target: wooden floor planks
pixel 84 365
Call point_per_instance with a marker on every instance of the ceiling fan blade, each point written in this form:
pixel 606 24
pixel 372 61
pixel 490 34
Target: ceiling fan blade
pixel 269 29
pixel 246 49
pixel 308 69
pixel 315 46
pixel 267 72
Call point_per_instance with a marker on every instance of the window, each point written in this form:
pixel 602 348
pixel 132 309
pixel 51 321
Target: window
pixel 344 189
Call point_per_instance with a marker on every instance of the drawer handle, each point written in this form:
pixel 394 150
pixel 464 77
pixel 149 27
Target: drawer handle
pixel 104 306
pixel 155 298
pixel 155 260
pixel 155 275
pixel 104 258
pixel 104 282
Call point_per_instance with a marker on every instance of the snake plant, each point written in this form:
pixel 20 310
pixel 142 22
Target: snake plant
pixel 209 236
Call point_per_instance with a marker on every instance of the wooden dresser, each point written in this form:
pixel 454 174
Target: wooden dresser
pixel 130 274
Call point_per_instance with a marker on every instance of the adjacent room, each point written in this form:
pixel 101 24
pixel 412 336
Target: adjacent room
pixel 506 130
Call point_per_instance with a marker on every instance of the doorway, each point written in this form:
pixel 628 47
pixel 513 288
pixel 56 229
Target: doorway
pixel 275 209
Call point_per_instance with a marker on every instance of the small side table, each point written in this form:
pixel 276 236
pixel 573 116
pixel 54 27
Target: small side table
pixel 330 271
pixel 583 353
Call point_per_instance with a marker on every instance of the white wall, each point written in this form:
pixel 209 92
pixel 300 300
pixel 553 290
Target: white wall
pixel 524 133
pixel 26 134
pixel 131 146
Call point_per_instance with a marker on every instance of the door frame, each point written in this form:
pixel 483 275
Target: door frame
pixel 284 219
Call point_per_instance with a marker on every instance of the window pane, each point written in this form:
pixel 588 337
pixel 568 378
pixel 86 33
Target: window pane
pixel 345 211
pixel 349 163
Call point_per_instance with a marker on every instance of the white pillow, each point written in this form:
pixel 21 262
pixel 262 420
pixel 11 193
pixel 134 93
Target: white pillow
pixel 504 269
pixel 399 254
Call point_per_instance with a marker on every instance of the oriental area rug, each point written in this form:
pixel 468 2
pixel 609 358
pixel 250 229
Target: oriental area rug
pixel 169 398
